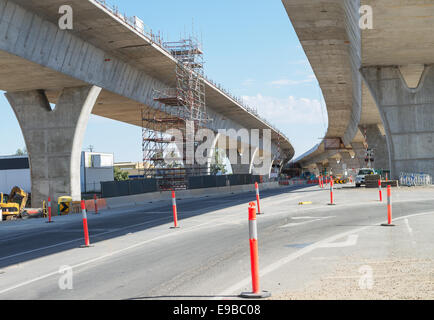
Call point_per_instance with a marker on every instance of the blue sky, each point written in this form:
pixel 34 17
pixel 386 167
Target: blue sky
pixel 250 48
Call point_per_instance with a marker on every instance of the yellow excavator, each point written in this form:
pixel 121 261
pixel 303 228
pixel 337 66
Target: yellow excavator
pixel 13 206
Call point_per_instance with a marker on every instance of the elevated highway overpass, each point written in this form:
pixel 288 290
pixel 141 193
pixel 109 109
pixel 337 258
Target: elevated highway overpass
pixel 105 66
pixel 391 110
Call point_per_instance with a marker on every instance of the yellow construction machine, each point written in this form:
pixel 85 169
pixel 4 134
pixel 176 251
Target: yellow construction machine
pixel 13 205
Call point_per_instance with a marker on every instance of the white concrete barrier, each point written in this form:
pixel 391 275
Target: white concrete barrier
pixel 142 199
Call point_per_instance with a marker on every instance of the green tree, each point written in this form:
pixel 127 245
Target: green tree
pixel 218 162
pixel 120 175
pixel 21 152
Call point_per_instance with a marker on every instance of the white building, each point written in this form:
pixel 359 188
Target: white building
pixel 14 171
pixel 95 168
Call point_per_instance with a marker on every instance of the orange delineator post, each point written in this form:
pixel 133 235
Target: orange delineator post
pixel 331 192
pixel 85 227
pixel 254 261
pixel 96 203
pixel 175 213
pixel 389 205
pixel 379 190
pixel 49 210
pixel 257 198
pixel 389 208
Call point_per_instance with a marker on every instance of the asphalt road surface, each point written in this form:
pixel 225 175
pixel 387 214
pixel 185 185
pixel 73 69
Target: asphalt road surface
pixel 136 255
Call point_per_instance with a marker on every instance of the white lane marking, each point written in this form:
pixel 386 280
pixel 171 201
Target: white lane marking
pixel 302 218
pixel 293 224
pixel 95 259
pixel 410 231
pixel 310 219
pixel 96 235
pixel 351 241
pixel 276 265
pixel 80 239
pixel 407 224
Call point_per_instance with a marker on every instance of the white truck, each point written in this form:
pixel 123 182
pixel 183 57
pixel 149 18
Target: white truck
pixel 360 178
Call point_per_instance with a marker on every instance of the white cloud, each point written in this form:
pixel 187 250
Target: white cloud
pixel 248 82
pixel 288 110
pixel 288 82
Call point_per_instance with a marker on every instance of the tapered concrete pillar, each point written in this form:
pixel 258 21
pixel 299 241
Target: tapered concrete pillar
pixel 261 164
pixel 320 168
pixel 351 163
pixel 334 167
pixel 408 117
pixel 211 153
pixel 360 153
pixel 54 139
pixel 377 141
pixel 241 163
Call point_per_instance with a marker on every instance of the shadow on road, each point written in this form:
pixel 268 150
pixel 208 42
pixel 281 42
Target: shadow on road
pixel 40 241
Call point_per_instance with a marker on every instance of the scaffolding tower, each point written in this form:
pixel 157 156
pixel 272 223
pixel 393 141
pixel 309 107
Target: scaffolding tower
pixel 180 107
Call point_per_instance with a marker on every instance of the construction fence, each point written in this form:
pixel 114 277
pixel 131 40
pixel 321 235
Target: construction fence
pixel 414 179
pixel 114 189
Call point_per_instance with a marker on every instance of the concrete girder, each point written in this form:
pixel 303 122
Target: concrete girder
pixel 330 35
pixel 54 139
pixel 62 58
pixel 407 115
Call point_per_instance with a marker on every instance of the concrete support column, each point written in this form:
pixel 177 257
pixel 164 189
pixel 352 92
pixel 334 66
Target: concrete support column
pixel 378 142
pixel 408 117
pixel 261 164
pixel 212 153
pixel 242 164
pixel 320 168
pixel 351 163
pixel 54 139
pixel 334 167
pixel 360 152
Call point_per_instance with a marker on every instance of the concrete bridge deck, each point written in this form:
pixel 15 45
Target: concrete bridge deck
pixel 399 46
pixel 104 66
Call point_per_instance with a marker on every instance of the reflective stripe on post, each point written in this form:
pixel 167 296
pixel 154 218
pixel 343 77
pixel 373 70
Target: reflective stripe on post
pixel 379 190
pixel 389 205
pixel 175 212
pixel 49 210
pixel 389 208
pixel 257 198
pixel 331 192
pixel 254 261
pixel 85 227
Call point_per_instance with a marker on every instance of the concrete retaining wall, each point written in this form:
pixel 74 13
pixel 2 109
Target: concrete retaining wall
pixel 146 198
